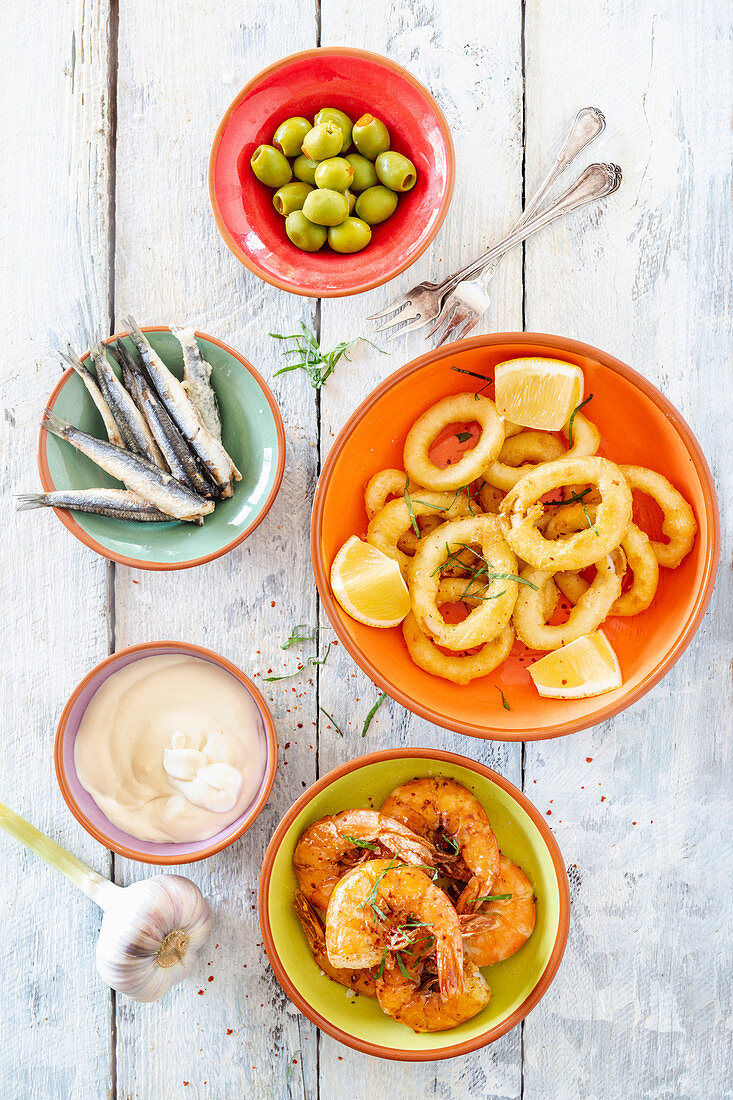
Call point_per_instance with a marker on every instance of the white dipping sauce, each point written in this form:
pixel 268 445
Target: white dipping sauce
pixel 171 749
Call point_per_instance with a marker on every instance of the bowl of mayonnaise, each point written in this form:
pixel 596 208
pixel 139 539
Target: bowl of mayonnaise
pixel 166 752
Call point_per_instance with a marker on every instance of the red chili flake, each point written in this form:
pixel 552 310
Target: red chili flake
pixel 300 725
pixel 200 993
pixel 287 744
pixel 138 582
pixel 272 603
pixel 582 788
pixel 589 759
pixel 603 798
pixel 186 1082
pixel 564 681
pixel 230 1031
pixel 549 813
pixel 211 977
pixel 633 823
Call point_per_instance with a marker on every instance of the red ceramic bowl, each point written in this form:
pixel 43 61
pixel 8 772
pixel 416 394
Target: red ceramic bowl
pixel 638 426
pixel 355 81
pixel 85 809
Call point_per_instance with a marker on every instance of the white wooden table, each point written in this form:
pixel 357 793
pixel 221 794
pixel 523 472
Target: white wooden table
pixel 108 111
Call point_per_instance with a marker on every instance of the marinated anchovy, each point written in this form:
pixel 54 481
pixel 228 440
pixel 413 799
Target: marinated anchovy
pixel 131 422
pixel 141 476
pixel 182 463
pixel 110 424
pixel 209 449
pixel 197 379
pixel 118 503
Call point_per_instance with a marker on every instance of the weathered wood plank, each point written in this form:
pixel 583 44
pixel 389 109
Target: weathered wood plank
pixel 177 76
pixel 53 212
pixel 635 1008
pixel 474 71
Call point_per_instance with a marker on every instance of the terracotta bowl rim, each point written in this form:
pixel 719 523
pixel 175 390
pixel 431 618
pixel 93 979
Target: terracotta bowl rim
pixel 392 273
pixel 708 500
pixel 252 812
pixel 67 518
pixel 545 978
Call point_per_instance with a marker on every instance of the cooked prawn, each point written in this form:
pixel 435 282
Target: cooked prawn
pixel 412 999
pixel 448 815
pixel 497 929
pixel 383 906
pixel 361 981
pixel 333 845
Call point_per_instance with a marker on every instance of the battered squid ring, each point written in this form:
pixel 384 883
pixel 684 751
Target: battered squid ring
pixel 640 560
pixel 458 408
pixel 394 520
pixel 408 543
pixel 490 498
pixel 385 483
pixel 458 669
pixel 521 510
pixel 529 446
pixel 499 595
pixel 588 614
pixel 679 524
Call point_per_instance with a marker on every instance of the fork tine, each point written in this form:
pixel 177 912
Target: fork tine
pixel 395 304
pixel 445 314
pixel 470 324
pixel 457 319
pixel 395 322
pixel 415 324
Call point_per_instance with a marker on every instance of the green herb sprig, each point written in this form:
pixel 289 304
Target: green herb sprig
pixel 493 897
pixel 308 661
pixel 503 698
pixel 371 844
pixel 573 414
pixel 372 712
pixel 318 364
pixel 301 633
pixel 333 721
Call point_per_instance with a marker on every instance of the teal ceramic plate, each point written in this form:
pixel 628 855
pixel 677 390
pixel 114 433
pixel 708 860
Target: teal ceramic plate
pixel 517 984
pixel 252 431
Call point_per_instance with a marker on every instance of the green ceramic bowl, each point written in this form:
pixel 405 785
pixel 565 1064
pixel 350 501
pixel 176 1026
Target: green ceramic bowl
pixel 252 431
pixel 517 984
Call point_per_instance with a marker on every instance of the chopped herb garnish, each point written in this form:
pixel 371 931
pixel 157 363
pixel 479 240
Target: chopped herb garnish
pixel 493 897
pixel 403 969
pixel 574 498
pixel 587 520
pixel 292 1063
pixel 382 964
pixel 408 502
pixel 371 844
pixel 573 414
pixel 372 712
pixel 317 364
pixel 301 633
pixel 451 840
pixel 308 661
pixel 463 437
pixel 503 698
pixel 331 719
pixel 473 373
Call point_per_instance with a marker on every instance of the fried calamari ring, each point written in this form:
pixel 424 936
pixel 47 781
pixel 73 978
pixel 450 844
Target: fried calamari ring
pixel 385 483
pixel 496 567
pixel 408 542
pixel 590 611
pixel 640 560
pixel 521 510
pixel 458 669
pixel 394 520
pixel 526 447
pixel 679 524
pixel 490 498
pixel 458 408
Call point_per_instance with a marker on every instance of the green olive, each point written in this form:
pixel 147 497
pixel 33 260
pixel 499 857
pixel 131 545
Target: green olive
pixel 303 233
pixel 370 136
pixel 365 174
pixel 332 114
pixel 289 135
pixel 351 199
pixel 305 170
pixel 323 141
pixel 374 205
pixel 334 173
pixel 270 166
pixel 349 236
pixel 395 171
pixel 290 197
pixel 325 207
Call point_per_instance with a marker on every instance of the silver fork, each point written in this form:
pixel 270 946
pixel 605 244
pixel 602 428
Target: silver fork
pixel 465 304
pixel 422 303
pixel 596 182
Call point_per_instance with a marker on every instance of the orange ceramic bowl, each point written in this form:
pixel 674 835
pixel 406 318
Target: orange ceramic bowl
pixel 517 984
pixel 638 426
pixel 85 809
pixel 355 81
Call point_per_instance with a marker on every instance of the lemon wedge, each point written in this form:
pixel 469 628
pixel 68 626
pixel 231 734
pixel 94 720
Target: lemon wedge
pixel 537 393
pixel 588 666
pixel 369 585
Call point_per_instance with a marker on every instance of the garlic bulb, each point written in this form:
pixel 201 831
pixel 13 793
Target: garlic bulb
pixel 151 930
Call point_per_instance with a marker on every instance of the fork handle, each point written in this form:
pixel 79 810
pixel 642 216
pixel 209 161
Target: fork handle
pixel 587 125
pixel 597 181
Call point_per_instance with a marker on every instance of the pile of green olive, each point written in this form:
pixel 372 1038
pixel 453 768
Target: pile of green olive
pixel 323 191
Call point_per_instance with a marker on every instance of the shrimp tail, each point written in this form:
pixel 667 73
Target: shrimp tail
pixel 449 957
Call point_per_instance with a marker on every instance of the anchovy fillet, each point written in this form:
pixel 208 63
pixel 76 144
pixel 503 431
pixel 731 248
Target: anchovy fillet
pixel 118 503
pixel 197 379
pixel 131 422
pixel 141 476
pixel 110 424
pixel 184 413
